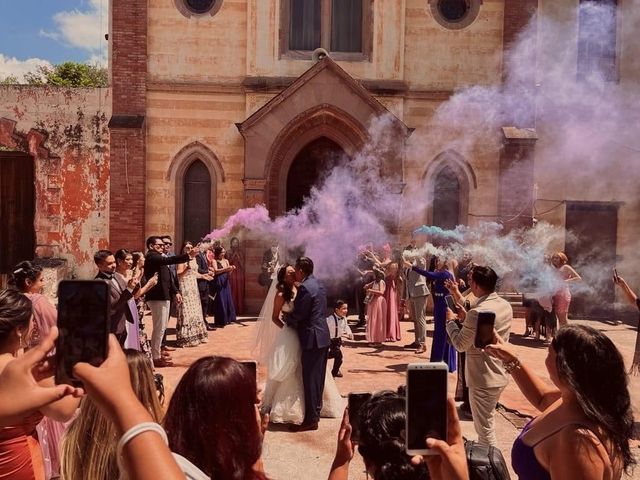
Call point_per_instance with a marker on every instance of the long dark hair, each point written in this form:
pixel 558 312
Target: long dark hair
pixel 15 312
pixel 382 444
pixel 591 365
pixel 211 419
pixel 22 272
pixel 286 290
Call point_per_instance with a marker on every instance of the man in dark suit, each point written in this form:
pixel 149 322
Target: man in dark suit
pixel 158 298
pixel 203 282
pixel 121 293
pixel 309 319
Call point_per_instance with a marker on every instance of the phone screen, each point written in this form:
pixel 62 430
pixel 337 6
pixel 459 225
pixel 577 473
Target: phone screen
pixel 451 303
pixel 83 322
pixel 484 331
pixel 426 404
pixel 356 400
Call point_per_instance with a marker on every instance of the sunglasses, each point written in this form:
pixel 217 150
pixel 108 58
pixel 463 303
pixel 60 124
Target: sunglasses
pixel 168 244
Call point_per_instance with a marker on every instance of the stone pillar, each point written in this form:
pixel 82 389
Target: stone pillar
pixel 128 38
pixel 518 15
pixel 516 180
pixel 254 194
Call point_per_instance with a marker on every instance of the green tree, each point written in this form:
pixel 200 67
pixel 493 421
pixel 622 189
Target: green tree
pixel 67 74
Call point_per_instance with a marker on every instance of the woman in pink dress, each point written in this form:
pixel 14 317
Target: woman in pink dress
pixel 237 277
pixel 376 309
pixel 562 297
pixel 28 279
pixel 391 297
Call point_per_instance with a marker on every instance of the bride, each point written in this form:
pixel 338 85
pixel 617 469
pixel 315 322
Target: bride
pixel 278 347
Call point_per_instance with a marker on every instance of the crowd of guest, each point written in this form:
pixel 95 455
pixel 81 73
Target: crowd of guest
pixel 212 427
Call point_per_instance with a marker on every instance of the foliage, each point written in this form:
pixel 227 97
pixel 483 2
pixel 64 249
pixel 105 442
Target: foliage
pixel 67 74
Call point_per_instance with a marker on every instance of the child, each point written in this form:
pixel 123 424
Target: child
pixel 338 327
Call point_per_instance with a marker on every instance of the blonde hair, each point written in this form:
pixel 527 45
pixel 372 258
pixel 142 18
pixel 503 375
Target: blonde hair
pixel 88 450
pixel 562 256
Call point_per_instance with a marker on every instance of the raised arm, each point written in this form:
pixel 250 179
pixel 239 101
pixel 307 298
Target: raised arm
pixel 539 394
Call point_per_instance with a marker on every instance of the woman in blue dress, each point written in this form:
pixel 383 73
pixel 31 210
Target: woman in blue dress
pixel 441 350
pixel 223 310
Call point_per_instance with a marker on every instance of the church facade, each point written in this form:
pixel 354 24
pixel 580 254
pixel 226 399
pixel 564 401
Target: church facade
pixel 217 104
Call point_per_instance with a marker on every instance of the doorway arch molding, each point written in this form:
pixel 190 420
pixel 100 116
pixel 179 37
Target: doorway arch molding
pixel 449 159
pixel 178 167
pixel 324 120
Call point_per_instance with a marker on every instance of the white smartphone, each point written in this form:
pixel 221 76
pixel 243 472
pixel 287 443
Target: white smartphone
pixel 426 410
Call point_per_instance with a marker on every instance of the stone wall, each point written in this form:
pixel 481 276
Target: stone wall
pixel 65 131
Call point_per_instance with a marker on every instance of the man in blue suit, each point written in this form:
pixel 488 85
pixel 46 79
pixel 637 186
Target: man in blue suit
pixel 309 320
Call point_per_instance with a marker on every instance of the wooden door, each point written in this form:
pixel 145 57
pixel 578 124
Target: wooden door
pixel 197 203
pixel 17 209
pixel 593 254
pixel 446 200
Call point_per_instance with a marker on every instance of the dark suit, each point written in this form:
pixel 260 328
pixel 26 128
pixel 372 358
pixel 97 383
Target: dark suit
pixel 309 320
pixel 158 298
pixel 157 263
pixel 203 284
pixel 120 311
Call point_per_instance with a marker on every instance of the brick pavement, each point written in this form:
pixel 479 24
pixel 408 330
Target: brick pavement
pixel 308 455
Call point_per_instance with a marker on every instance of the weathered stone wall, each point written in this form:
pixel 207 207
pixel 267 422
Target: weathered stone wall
pixel 65 131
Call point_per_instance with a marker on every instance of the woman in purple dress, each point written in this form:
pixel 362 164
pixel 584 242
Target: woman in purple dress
pixel 441 350
pixel 223 310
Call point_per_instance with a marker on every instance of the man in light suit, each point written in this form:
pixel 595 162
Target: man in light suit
pixel 415 295
pixel 485 374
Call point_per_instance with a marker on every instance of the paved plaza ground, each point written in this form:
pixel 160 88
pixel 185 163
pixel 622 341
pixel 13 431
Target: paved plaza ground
pixel 308 455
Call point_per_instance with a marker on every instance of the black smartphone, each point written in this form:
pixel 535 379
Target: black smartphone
pixel 615 275
pixel 484 331
pixel 426 406
pixel 451 303
pixel 84 324
pixel 355 402
pixel 252 366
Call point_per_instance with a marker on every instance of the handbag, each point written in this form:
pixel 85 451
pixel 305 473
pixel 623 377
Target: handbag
pixel 485 462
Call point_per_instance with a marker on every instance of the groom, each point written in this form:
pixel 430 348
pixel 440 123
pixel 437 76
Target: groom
pixel 309 319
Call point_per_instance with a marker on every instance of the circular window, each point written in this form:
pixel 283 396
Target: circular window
pixel 199 6
pixel 455 14
pixel 190 8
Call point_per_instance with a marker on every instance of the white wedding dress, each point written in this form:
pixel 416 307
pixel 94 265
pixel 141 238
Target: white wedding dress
pixel 279 349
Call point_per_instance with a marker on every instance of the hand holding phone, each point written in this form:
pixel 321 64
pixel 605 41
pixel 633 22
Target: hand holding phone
pixel 355 403
pixel 451 303
pixel 84 324
pixel 426 406
pixel 484 329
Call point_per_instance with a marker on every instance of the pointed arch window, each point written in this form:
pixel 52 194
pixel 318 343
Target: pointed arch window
pixel 196 205
pixel 446 199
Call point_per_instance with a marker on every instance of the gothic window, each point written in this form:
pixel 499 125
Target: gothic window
pixel 196 206
pixel 446 199
pixel 597 39
pixel 455 14
pixel 342 27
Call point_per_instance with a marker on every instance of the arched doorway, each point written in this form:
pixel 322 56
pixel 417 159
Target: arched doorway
pixel 196 206
pixel 307 168
pixel 446 199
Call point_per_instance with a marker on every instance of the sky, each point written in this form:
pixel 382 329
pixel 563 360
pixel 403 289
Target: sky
pixel 36 32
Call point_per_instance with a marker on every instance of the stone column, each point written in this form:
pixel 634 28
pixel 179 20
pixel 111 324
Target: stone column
pixel 128 38
pixel 516 180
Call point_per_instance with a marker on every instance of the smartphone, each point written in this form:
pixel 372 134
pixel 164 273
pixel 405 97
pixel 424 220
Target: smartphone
pixel 252 366
pixel 426 407
pixel 615 275
pixel 355 402
pixel 451 303
pixel 484 331
pixel 84 325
